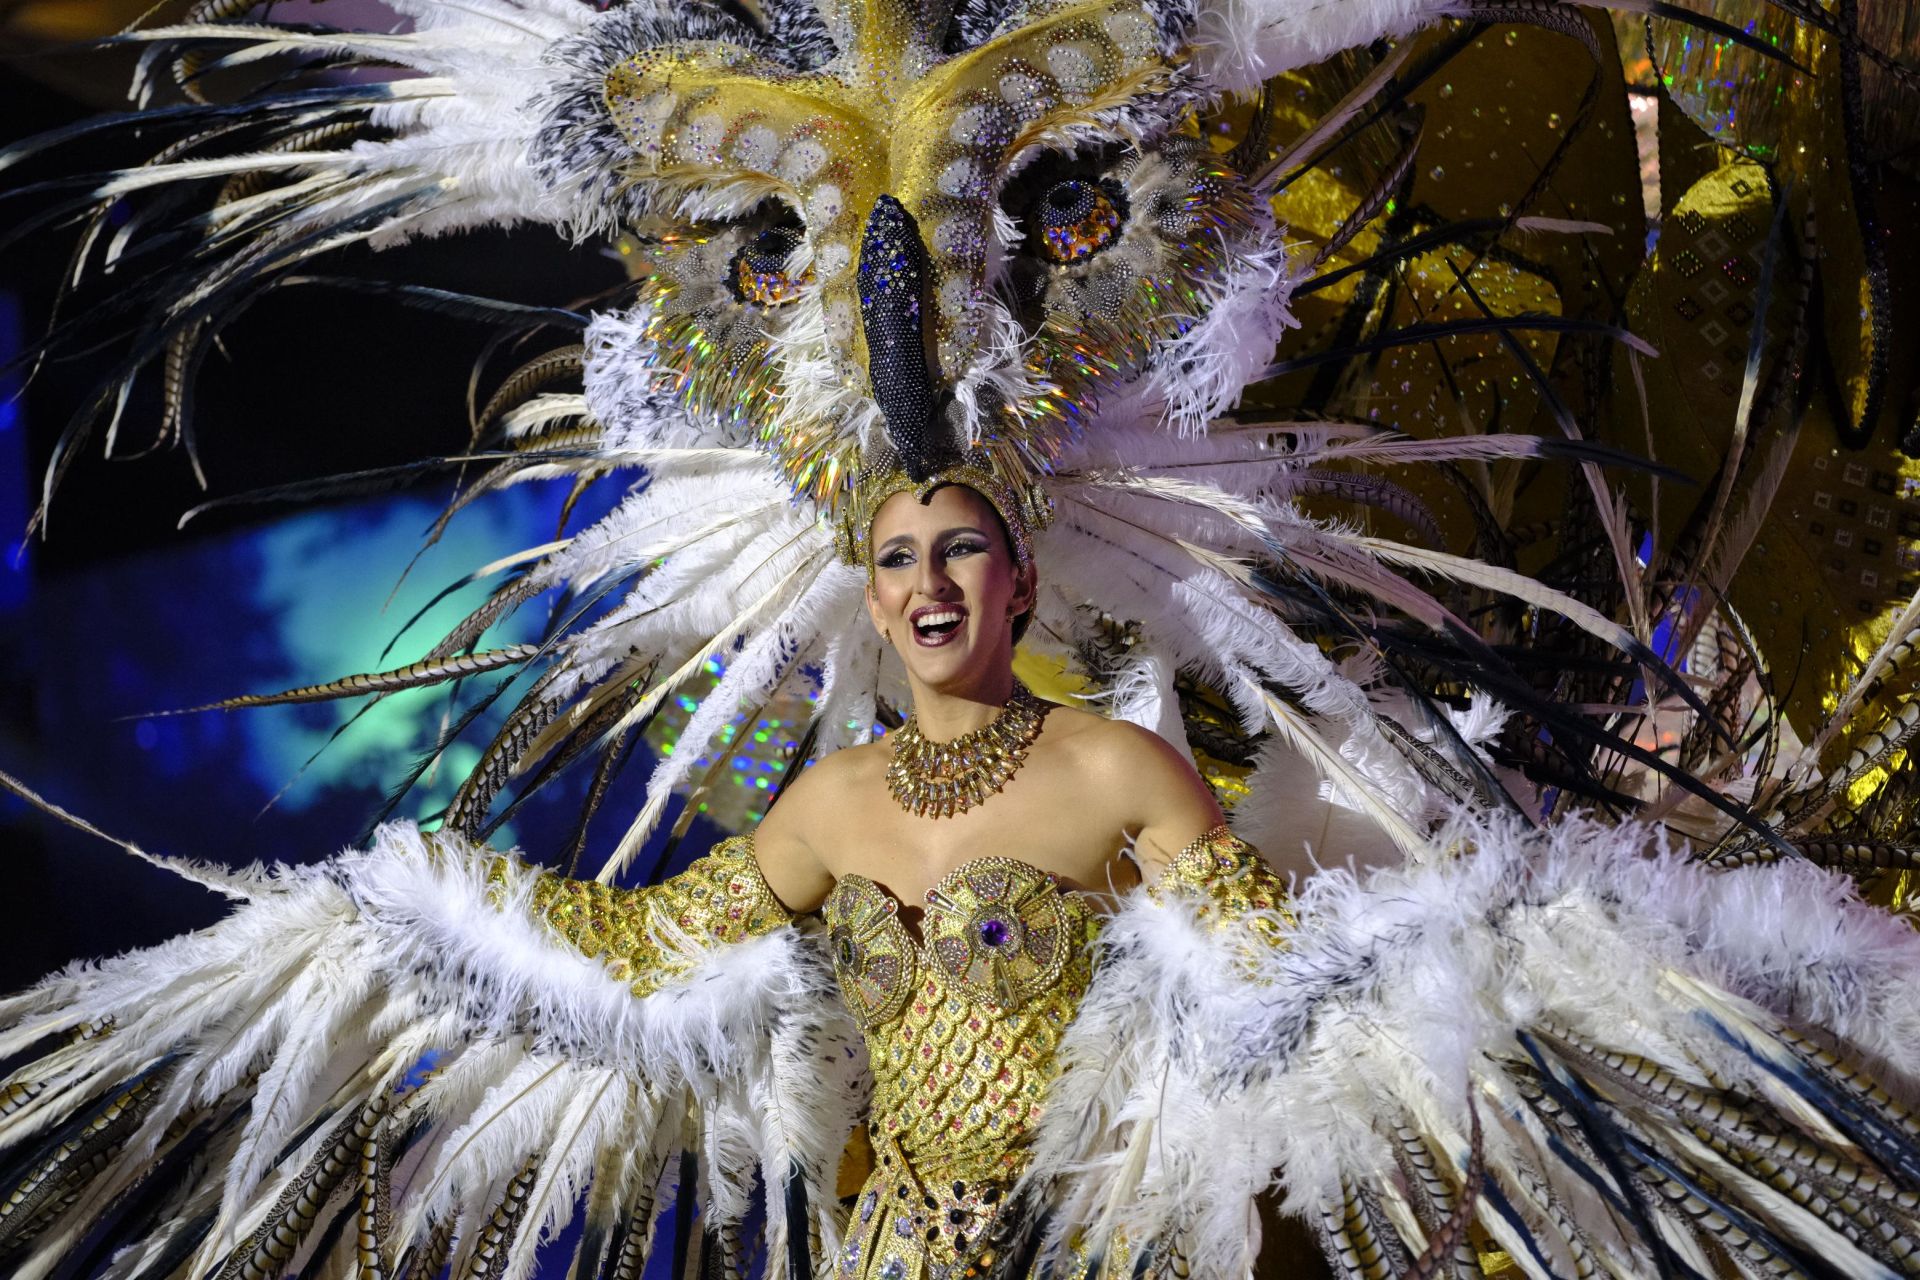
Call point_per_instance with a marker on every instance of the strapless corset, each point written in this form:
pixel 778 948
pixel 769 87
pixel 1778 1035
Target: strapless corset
pixel 961 1028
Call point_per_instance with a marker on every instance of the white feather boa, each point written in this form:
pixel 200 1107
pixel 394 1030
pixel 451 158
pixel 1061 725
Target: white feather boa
pixel 1205 1068
pixel 334 982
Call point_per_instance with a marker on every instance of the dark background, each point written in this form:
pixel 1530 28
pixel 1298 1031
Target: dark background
pixel 118 612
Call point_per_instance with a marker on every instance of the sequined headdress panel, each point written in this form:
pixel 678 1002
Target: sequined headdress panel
pixel 1068 218
pixel 1023 507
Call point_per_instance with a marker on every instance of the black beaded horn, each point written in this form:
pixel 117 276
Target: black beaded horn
pixel 893 275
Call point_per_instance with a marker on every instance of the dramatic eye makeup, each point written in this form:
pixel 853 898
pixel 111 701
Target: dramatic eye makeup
pixel 898 555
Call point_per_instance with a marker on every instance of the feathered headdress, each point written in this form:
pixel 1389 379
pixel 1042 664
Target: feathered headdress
pixel 1039 235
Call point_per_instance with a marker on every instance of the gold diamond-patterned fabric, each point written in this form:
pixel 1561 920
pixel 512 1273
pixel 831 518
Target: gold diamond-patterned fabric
pixel 962 1033
pixel 963 1030
pixel 643 934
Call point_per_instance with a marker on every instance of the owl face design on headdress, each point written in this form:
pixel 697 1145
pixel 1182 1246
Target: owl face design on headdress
pixel 962 229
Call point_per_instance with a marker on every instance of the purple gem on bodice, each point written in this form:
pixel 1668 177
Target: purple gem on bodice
pixel 993 932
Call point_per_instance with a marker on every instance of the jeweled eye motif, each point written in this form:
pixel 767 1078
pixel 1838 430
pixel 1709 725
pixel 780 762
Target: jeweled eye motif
pixel 1076 219
pixel 760 275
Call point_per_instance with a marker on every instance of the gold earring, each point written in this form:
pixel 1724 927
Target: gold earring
pixel 887 636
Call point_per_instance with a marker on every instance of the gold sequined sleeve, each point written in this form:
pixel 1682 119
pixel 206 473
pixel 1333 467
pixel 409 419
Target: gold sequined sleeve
pixel 1228 882
pixel 651 935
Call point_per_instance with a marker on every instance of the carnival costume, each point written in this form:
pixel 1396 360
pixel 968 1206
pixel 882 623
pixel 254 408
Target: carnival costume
pixel 1030 248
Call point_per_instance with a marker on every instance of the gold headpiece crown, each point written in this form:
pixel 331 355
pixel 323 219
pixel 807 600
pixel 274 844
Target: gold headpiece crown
pixel 1021 504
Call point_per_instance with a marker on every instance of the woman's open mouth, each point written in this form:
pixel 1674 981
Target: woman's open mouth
pixel 935 625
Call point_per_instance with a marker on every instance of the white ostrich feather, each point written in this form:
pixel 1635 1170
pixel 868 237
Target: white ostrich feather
pixel 752 675
pixel 814 377
pixel 1205 1066
pixel 1353 787
pixel 1400 993
pixel 1204 1063
pixel 1144 695
pixel 631 396
pixel 326 986
pixel 1191 605
pixel 1238 44
pixel 1202 373
pixel 1299 822
pixel 1518 585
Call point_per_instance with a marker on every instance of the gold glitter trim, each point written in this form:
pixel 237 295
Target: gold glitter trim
pixel 959 1081
pixel 1228 881
pixel 1021 504
pixel 651 935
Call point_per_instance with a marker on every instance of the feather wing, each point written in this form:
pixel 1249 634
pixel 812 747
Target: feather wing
pixel 404 991
pixel 1639 1034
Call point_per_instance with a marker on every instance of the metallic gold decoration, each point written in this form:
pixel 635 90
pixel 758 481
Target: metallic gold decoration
pixel 1741 98
pixel 1227 881
pixel 962 1030
pixel 894 115
pixel 1838 547
pixel 940 779
pixel 958 1080
pixel 830 143
pixel 760 279
pixel 872 951
pixel 1500 111
pixel 999 930
pixel 959 1071
pixel 1794 120
pixel 1023 506
pixel 721 898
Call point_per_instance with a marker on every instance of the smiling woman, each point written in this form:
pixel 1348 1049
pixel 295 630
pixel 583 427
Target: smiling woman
pixel 954 827
pixel 944 571
pixel 938 324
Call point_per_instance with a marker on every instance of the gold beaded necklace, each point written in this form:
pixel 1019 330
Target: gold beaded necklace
pixel 940 779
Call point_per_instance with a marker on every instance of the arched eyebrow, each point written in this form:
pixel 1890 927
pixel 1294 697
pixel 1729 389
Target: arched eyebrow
pixel 906 539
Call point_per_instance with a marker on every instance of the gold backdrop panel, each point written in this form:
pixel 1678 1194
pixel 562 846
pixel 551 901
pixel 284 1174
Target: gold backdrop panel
pixel 1839 547
pixel 1479 162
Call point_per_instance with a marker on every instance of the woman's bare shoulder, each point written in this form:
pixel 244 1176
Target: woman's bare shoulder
pixel 1137 780
pixel 832 781
pixel 1094 742
pixel 794 838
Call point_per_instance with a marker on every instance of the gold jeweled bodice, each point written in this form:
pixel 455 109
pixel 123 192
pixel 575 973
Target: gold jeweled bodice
pixel 962 1025
pixel 961 1030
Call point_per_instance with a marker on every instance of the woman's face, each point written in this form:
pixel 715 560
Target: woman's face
pixel 945 585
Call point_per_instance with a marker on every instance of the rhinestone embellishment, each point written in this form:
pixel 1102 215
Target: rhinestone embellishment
pixel 998 927
pixel 940 779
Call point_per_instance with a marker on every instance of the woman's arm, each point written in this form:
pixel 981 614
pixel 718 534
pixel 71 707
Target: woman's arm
pixel 1181 839
pixel 794 871
pixel 1159 800
pixel 746 886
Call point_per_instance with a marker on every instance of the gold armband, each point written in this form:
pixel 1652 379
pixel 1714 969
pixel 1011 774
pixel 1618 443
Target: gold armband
pixel 1228 881
pixel 651 935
